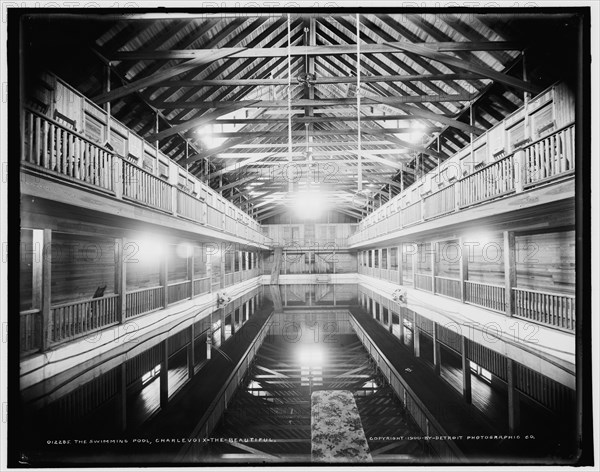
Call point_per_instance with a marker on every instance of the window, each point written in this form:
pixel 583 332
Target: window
pixel 480 371
pixel 182 182
pixel 394 258
pixel 480 154
pixel 516 135
pixel 148 162
pixel 163 169
pixel 376 258
pixel 135 147
pixel 119 143
pixel 191 185
pixel 384 258
pixel 150 375
pixel 94 129
pixel 542 121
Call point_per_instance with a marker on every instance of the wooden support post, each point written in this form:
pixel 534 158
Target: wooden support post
pixel 164 275
pixel 333 261
pixel 434 258
pixel 118 177
pixel 46 284
pixel 37 260
pixel 164 374
pixel 416 340
pixel 466 370
pixel 120 278
pixel 190 270
pixel 463 269
pixel 415 257
pixel 277 257
pixel 222 266
pixel 191 352
pixel 401 331
pixel 121 403
pixel 222 318
pixel 513 397
pixel 520 170
pixel 510 271
pixel 400 265
pixel 209 337
pixel 437 360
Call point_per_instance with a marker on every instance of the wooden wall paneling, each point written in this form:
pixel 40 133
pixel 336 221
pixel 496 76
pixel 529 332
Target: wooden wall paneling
pixel 81 264
pixel 546 262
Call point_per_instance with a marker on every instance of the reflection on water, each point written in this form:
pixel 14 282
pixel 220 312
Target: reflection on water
pixel 302 295
pixel 303 354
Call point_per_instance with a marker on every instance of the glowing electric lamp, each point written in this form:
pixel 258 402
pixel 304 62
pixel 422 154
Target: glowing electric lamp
pixel 183 250
pixel 144 250
pixel 206 136
pixel 417 133
pixel 311 356
pixel 309 204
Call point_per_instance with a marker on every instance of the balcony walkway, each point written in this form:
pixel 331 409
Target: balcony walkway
pixel 457 417
pixel 176 422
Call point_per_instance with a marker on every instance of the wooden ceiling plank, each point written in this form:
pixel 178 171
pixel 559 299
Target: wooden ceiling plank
pixel 226 65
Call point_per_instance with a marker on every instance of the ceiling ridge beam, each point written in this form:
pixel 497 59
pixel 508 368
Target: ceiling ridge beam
pixel 368 101
pixel 375 48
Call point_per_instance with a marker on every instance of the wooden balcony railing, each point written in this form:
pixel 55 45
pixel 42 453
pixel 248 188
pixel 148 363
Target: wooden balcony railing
pixel 201 286
pixel 411 214
pixel 551 156
pixel 30 330
pixel 75 319
pixel 191 207
pixel 552 309
pixel 179 291
pixel 55 147
pixel 230 224
pixel 215 218
pixel 494 180
pixel 423 282
pixel 146 188
pixel 439 203
pixel 448 287
pixel 548 158
pixel 228 280
pixel 60 151
pixel 486 295
pixel 143 300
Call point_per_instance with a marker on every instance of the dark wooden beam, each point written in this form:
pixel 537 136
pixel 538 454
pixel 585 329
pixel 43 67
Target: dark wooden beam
pixel 468 66
pixel 367 101
pixel 205 119
pixel 321 80
pixel 317 50
pixel 208 57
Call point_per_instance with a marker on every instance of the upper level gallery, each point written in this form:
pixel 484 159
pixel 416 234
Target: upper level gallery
pixel 72 148
pixel 526 160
